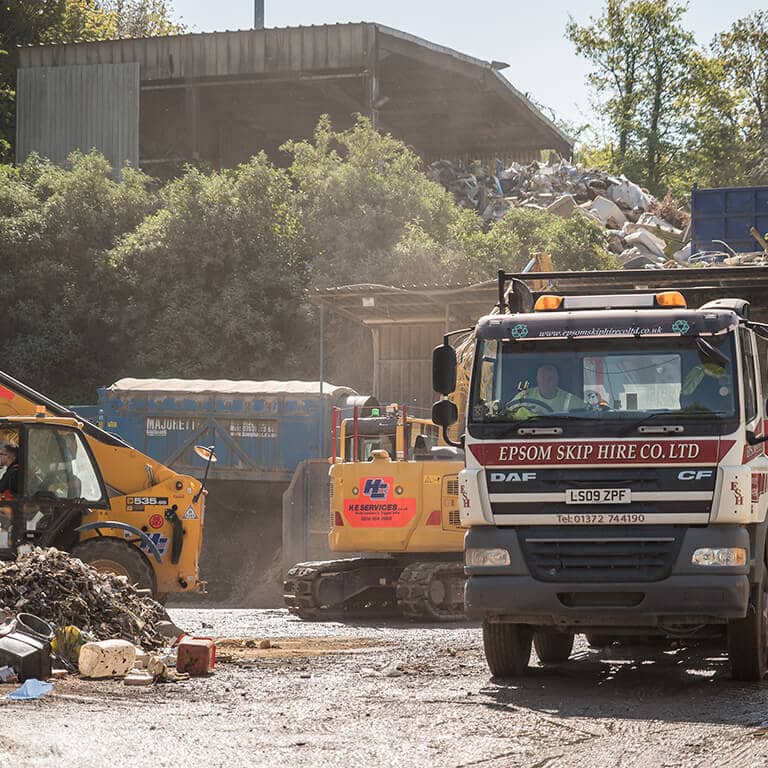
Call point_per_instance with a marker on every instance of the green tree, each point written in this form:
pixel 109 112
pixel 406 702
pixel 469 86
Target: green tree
pixel 613 43
pixel 715 150
pixel 62 295
pixel 217 278
pixel 365 200
pixel 641 59
pixel 743 51
pixel 142 18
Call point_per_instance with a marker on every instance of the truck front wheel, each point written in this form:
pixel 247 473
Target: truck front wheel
pixel 108 555
pixel 552 647
pixel 507 648
pixel 748 637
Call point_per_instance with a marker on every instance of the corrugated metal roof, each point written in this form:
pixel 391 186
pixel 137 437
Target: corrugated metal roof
pixel 493 105
pixel 229 387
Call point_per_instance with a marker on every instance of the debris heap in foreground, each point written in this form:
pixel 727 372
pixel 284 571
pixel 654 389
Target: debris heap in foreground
pixel 63 590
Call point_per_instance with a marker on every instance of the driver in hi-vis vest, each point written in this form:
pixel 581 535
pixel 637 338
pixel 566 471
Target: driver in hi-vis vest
pixel 545 397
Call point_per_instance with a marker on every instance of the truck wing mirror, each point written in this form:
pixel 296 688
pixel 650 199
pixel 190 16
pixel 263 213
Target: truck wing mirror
pixel 444 369
pixel 445 413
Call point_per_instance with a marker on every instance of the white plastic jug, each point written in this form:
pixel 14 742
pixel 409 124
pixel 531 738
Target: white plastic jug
pixel 107 658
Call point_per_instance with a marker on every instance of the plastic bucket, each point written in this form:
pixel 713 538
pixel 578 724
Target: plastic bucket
pixel 34 626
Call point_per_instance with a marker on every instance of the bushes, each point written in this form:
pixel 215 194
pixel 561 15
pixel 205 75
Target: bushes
pixel 207 276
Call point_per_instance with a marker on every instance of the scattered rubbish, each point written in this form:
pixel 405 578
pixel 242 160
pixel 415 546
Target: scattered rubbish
pixel 68 641
pixel 138 678
pixel 64 591
pixel 29 656
pixel 169 629
pixel 89 623
pixel 607 212
pixel 106 658
pixel 393 669
pixel 196 655
pixel 8 675
pixel 641 231
pixel 31 689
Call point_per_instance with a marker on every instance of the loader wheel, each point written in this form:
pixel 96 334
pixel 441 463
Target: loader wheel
pixel 507 648
pixel 552 647
pixel 109 555
pixel 748 637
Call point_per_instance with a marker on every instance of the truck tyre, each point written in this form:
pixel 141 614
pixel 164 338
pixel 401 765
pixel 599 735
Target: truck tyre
pixel 108 555
pixel 748 637
pixel 552 647
pixel 507 648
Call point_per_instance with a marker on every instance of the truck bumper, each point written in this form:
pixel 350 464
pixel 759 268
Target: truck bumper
pixel 689 595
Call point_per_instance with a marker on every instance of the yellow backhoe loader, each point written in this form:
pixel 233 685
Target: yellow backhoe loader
pixel 84 490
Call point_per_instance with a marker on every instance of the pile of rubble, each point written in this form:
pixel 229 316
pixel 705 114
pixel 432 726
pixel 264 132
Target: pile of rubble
pixel 63 590
pixel 59 616
pixel 642 232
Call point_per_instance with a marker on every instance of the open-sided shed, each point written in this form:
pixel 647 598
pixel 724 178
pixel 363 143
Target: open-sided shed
pixel 221 97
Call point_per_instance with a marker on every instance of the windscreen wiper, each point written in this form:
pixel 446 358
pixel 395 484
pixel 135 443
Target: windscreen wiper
pixel 711 353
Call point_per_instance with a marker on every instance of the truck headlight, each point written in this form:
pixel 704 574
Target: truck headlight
pixel 487 557
pixel 719 557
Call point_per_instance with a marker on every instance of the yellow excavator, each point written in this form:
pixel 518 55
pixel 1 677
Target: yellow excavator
pixel 84 490
pixel 394 498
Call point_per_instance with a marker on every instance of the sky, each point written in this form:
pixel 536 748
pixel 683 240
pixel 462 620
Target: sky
pixel 530 36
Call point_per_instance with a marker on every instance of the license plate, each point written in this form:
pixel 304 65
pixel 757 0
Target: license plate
pixel 598 496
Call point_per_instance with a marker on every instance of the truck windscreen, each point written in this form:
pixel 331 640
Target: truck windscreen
pixel 607 380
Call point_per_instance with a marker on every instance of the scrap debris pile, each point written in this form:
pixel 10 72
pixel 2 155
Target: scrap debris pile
pixel 59 615
pixel 641 231
pixel 65 591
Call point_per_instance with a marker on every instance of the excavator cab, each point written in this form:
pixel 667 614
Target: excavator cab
pixel 59 481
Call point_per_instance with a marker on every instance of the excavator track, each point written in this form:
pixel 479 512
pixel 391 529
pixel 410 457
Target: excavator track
pixel 432 591
pixel 369 584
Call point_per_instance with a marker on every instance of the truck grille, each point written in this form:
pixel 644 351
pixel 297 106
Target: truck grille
pixel 590 555
pixel 451 501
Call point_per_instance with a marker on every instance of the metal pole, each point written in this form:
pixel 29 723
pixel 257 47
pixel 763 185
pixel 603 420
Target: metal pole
pixel 258 14
pixel 322 374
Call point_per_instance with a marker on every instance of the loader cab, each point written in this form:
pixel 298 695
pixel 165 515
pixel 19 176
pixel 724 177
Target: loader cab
pixel 58 480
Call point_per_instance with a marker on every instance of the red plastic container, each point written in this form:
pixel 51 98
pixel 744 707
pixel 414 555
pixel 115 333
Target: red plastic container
pixel 196 655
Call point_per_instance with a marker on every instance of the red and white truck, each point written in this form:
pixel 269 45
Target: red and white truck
pixel 616 479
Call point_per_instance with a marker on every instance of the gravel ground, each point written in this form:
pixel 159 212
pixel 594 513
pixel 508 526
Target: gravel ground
pixel 395 695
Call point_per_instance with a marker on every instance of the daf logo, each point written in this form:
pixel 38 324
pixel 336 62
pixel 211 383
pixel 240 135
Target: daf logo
pixel 695 474
pixel 512 477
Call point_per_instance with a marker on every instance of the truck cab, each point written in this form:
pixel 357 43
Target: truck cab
pixel 616 481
